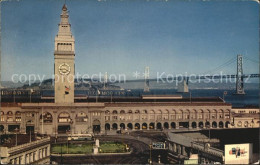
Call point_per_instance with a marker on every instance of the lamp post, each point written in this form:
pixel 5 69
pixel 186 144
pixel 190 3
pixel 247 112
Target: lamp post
pixel 31 91
pixel 190 96
pixel 67 132
pixel 61 154
pixel 14 95
pixel 30 135
pixel 208 127
pixel 16 130
pixel 150 160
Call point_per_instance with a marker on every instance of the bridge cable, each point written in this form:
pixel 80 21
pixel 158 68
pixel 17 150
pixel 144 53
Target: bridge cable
pixel 228 63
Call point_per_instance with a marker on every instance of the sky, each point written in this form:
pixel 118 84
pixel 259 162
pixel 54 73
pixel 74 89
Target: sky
pixel 123 37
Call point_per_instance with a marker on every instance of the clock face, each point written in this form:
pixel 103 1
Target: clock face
pixel 64 69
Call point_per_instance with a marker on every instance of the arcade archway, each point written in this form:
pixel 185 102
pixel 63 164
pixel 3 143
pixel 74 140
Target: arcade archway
pixel 137 126
pixel 114 126
pixel 122 126
pixel 166 125
pixel 173 125
pixel 144 126
pixel 107 126
pixel 96 126
pixel 194 125
pixel 130 126
pixel 159 126
pixel 151 126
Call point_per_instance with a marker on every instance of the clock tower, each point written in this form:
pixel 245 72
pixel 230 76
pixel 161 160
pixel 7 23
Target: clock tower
pixel 64 55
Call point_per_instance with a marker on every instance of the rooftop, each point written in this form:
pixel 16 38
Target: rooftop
pixel 120 101
pixel 9 140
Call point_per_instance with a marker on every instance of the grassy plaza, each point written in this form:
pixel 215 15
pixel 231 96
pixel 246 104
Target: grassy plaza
pixel 87 148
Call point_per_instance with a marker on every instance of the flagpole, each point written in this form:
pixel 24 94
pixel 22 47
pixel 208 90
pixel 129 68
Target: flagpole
pixel 96 97
pixel 42 120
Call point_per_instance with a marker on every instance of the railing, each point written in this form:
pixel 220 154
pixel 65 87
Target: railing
pixel 27 145
pixel 210 150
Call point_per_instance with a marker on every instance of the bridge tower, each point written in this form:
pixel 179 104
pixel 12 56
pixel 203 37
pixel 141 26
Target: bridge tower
pixel 146 79
pixel 105 80
pixel 240 83
pixel 183 85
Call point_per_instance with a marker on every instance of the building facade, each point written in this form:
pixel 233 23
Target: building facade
pixel 36 152
pixel 77 118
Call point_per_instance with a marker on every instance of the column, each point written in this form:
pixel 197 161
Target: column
pixel 34 155
pixel 37 120
pixel 90 129
pixel 174 147
pixel 23 124
pixel 5 124
pixel 177 125
pixel 31 157
pixel 40 154
pixel 72 125
pixel 46 154
pixel 183 151
pixel 102 122
pixel 190 124
pixel 22 160
pixel 55 123
pixel 15 160
pixel 25 159
pixel 178 149
pixel 48 150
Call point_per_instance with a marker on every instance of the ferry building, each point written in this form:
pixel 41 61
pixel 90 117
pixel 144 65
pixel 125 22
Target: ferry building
pixel 65 115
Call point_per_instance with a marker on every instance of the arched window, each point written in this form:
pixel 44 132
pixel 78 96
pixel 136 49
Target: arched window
pixel 10 116
pixel 207 114
pixel 221 114
pixel 144 111
pixel 81 117
pixel 114 117
pixel 193 114
pixel 152 114
pixel 200 114
pixel 227 113
pixel 64 117
pixel 214 114
pixel 2 116
pixel 137 111
pixel 173 114
pixel 239 124
pixel 122 116
pixel 107 112
pixel 47 117
pixel 9 113
pixel 165 114
pixel 186 114
pixel 114 112
pixel 18 116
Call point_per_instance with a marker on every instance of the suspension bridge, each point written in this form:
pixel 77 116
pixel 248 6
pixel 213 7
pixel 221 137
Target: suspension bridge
pixel 183 81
